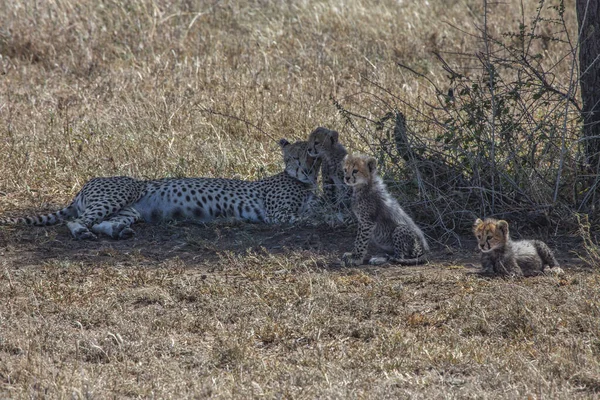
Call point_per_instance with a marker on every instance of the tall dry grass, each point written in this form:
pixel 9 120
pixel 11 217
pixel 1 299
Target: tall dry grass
pixel 161 88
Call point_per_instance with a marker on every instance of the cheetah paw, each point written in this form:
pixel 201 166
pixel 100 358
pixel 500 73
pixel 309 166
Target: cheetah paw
pixel 350 259
pixel 126 233
pixel 554 271
pixel 86 235
pixel 115 231
pixel 378 260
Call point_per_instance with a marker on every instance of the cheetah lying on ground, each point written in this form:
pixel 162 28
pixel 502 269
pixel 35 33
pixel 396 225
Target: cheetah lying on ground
pixel 503 256
pixel 111 205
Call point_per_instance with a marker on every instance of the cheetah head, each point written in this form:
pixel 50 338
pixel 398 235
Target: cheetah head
pixel 321 140
pixel 298 163
pixel 359 169
pixel 491 234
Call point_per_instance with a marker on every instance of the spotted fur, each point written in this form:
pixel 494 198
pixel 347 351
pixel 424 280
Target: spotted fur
pixel 502 256
pixel 111 205
pixel 381 220
pixel 324 144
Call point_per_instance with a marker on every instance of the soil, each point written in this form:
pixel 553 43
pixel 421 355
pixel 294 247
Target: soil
pixel 197 244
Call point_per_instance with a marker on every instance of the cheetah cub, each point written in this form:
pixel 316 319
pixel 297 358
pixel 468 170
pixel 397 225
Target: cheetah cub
pixel 503 256
pixel 324 144
pixel 381 220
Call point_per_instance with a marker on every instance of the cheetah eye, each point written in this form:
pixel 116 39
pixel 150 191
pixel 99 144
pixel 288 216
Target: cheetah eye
pixel 355 171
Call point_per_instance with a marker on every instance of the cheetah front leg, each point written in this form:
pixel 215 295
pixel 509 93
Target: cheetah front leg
pixel 487 265
pixel 329 190
pixel 119 225
pixel 361 243
pixel 509 267
pixel 342 194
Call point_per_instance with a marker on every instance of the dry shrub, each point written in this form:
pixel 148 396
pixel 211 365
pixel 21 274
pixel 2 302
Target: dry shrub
pixel 590 243
pixel 499 137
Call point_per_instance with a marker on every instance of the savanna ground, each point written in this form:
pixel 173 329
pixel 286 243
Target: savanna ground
pixel 154 89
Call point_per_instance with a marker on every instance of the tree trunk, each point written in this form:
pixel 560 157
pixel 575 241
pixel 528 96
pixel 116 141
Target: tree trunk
pixel 588 16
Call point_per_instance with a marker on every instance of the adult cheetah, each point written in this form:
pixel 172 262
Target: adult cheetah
pixel 111 205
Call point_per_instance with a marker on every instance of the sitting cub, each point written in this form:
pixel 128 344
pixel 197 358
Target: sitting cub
pixel 381 220
pixel 503 256
pixel 324 144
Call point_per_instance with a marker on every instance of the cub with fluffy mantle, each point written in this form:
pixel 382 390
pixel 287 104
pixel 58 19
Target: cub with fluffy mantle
pixel 324 143
pixel 503 256
pixel 381 220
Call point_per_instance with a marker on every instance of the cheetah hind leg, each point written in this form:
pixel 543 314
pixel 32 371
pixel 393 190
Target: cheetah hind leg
pixel 79 230
pixel 118 226
pixel 406 243
pixel 93 214
pixel 80 227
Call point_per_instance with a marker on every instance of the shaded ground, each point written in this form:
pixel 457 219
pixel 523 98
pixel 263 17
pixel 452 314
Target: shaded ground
pixel 191 243
pixel 195 243
pixel 243 310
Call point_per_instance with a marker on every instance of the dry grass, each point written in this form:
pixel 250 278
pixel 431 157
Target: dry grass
pixel 263 325
pixel 127 88
pixel 161 88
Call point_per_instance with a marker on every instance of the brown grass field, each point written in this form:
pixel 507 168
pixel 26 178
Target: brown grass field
pixel 234 310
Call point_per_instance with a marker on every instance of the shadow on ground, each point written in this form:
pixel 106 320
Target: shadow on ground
pixel 201 244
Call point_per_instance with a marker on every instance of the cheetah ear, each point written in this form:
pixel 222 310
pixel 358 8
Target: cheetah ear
pixel 283 143
pixel 503 226
pixel 478 222
pixel 372 164
pixel 345 160
pixel 334 136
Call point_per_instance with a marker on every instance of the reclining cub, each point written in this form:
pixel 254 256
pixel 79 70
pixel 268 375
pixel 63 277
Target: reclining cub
pixel 111 205
pixel 503 256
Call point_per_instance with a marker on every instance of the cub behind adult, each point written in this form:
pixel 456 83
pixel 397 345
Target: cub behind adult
pixel 324 143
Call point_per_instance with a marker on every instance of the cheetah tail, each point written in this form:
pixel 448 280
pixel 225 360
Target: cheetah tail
pixel 422 259
pixel 42 220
